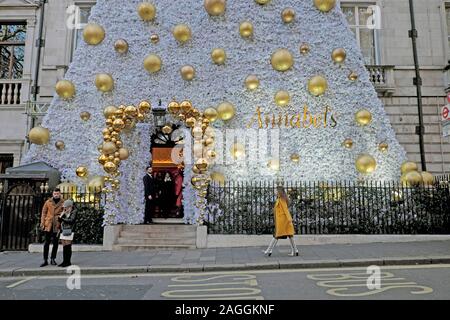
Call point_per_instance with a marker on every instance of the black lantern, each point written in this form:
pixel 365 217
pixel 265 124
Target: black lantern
pixel 159 115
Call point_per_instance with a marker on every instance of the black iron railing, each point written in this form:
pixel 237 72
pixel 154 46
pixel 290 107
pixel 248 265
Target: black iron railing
pixel 331 208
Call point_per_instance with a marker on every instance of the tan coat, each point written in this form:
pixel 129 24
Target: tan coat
pixel 49 216
pixel 283 220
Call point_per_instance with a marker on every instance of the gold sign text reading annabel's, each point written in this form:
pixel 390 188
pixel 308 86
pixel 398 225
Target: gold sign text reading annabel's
pixel 301 119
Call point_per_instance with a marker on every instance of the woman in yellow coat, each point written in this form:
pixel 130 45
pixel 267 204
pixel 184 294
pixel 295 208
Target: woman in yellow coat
pixel 283 223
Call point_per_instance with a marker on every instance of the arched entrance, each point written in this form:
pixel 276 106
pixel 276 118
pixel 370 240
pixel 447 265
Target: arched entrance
pixel 168 173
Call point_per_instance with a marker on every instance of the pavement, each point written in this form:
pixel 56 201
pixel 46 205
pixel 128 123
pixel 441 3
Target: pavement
pixel 229 259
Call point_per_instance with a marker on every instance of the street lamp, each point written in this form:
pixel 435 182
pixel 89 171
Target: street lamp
pixel 159 115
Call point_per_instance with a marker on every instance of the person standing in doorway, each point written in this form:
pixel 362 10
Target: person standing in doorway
pixel 50 225
pixel 67 220
pixel 149 187
pixel 283 223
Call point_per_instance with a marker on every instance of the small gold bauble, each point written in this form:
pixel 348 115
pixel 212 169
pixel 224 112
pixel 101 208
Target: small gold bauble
pixel 274 164
pixel 65 89
pixel 187 73
pixel 304 48
pixel 109 148
pixel 282 60
pixel 209 142
pixel 104 82
pixel 363 117
pixel 144 106
pixel 119 144
pixel 353 76
pixel 201 164
pixel 82 171
pixel 146 11
pixel 186 106
pixel 408 166
pixel 252 82
pixel 282 98
pixel 317 85
pixel 118 124
pixel 215 7
pixel 60 145
pixel 411 178
pixel 262 2
pixel 211 154
pixel 246 29
pixel 121 46
pixel 93 34
pixel 365 163
pixel 383 147
pixel 190 122
pixel 338 55
pixel 154 38
pixel 348 143
pixel 288 15
pixel 325 5
pixel 110 167
pixel 182 33
pixel 210 114
pixel 427 178
pixel 102 159
pixel 109 111
pixel 295 157
pixel 237 150
pixel 39 135
pixel 167 129
pixel 218 56
pixel 174 107
pixel 226 111
pixel 152 63
pixel 85 116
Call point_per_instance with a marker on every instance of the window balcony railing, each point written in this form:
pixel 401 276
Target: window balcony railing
pixel 10 92
pixel 382 78
pixel 37 109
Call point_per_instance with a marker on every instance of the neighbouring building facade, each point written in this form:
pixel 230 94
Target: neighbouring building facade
pixel 38 39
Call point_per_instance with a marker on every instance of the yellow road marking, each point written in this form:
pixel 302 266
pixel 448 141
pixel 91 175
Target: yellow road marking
pixel 247 282
pixel 184 293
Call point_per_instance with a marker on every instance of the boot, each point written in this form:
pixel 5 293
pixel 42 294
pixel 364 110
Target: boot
pixel 63 264
pixel 272 244
pixel 294 250
pixel 69 255
pixel 45 263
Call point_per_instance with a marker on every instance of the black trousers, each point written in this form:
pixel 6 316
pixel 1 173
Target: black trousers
pixel 50 237
pixel 149 209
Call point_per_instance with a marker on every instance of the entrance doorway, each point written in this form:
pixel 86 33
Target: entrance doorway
pixel 166 149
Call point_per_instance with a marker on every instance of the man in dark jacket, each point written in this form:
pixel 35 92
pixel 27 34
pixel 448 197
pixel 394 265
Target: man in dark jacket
pixel 150 192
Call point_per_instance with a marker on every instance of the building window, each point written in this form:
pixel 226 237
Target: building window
pixel 357 16
pixel 12 48
pixel 83 13
pixel 6 161
pixel 447 18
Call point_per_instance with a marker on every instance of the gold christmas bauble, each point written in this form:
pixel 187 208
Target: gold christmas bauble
pixel 274 164
pixel 60 145
pixel 93 34
pixel 363 117
pixel 65 89
pixel 152 63
pixel 96 184
pixel 211 154
pixel 154 38
pixel 121 46
pixel 427 178
pixel 39 135
pixel 218 56
pixel 102 159
pixel 85 116
pixel 325 5
pixel 201 164
pixel 383 147
pixel 174 107
pixel 131 111
pixel 348 143
pixel 365 163
pixel 146 11
pixel 82 171
pixel 246 29
pixel 408 166
pixel 144 106
pixel 226 111
pixel 317 85
pixel 186 106
pixel 104 82
pixel 411 178
pixel 110 167
pixel 237 150
pixel 215 7
pixel 338 55
pixel 252 82
pixel 210 114
pixel 353 76
pixel 282 60
pixel 190 122
pixel 118 124
pixel 282 98
pixel 124 154
pixel 295 157
pixel 182 33
pixel 109 148
pixel 187 73
pixel 304 48
pixel 109 111
pixel 167 129
pixel 288 15
pixel 262 2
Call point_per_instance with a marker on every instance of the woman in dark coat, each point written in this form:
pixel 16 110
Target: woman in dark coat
pixel 67 220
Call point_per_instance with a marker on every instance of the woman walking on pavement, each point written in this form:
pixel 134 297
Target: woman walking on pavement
pixel 283 223
pixel 67 219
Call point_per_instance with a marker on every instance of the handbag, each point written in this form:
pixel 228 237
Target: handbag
pixel 67 232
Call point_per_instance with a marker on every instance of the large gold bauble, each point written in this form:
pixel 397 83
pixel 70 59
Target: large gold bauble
pixel 411 178
pixel 317 85
pixel 226 111
pixel 217 177
pixel 39 135
pixel 295 157
pixel 274 164
pixel 146 11
pixel 210 114
pixel 218 56
pixel 252 82
pixel 282 98
pixel 144 106
pixel 325 5
pixel 118 124
pixel 304 48
pixel 131 111
pixel 383 147
pixel 121 46
pixel 186 106
pixel 182 33
pixel 65 89
pixel 338 55
pixel 427 178
pixel 174 107
pixel 288 15
pixel 282 60
pixel 104 82
pixel 152 63
pixel 237 150
pixel 109 111
pixel 167 129
pixel 262 2
pixel 96 184
pixel 60 145
pixel 85 116
pixel 408 166
pixel 348 143
pixel 201 164
pixel 187 73
pixel 110 167
pixel 82 171
pixel 109 148
pixel 365 163
pixel 246 29
pixel 93 34
pixel 215 7
pixel 363 117
pixel 124 154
